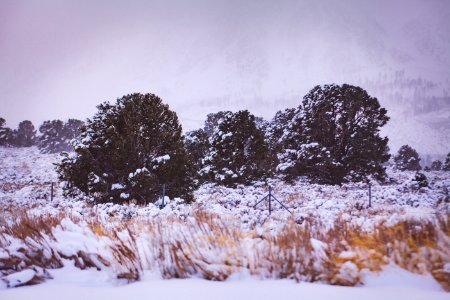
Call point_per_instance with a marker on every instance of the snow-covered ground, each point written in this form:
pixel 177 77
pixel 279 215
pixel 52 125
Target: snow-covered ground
pixel 26 174
pixel 71 283
pixel 225 238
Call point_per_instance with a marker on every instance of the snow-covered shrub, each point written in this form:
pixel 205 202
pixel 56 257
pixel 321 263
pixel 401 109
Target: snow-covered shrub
pixel 407 159
pixel 333 136
pixel 421 180
pixel 128 151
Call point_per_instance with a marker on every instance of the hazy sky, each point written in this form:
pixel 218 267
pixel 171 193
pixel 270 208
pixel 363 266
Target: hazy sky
pixel 59 59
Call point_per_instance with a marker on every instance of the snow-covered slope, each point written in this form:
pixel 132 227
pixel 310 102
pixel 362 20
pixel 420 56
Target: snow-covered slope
pixel 26 177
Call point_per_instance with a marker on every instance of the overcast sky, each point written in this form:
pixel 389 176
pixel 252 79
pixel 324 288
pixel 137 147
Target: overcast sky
pixel 59 59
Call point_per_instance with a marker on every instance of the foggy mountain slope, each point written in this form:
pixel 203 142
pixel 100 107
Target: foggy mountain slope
pixel 205 56
pixel 405 66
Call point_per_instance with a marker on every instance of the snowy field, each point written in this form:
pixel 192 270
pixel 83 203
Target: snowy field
pixel 71 283
pixel 399 247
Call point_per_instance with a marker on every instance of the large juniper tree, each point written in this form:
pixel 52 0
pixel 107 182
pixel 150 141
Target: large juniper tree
pixel 51 139
pixel 56 136
pixel 25 135
pixel 333 136
pixel 407 159
pixel 238 152
pixel 128 150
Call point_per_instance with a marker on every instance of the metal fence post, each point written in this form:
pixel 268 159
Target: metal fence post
pixel 370 195
pixel 51 192
pixel 163 194
pixel 270 200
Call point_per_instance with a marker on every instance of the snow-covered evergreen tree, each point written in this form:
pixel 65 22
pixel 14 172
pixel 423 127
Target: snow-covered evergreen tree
pixel 238 153
pixel 213 120
pixel 5 133
pixel 51 139
pixel 197 145
pixel 25 135
pixel 407 159
pixel 333 136
pixel 446 165
pixel 56 136
pixel 128 151
pixel 436 165
pixel 72 129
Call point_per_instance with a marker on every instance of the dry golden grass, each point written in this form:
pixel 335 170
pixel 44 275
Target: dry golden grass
pixel 212 247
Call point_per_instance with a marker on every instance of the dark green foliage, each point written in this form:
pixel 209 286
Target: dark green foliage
pixel 25 135
pixel 197 145
pixel 436 165
pixel 238 153
pixel 72 129
pixel 51 139
pixel 407 159
pixel 5 133
pixel 277 129
pixel 446 165
pixel 56 136
pixel 333 136
pixel 128 151
pixel 421 180
pixel 213 120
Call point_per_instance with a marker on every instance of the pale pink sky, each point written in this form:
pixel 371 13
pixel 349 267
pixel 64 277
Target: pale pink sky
pixel 59 59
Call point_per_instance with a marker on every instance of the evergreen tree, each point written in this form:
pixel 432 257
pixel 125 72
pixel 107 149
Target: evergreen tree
pixel 436 165
pixel 277 129
pixel 51 139
pixel 333 136
pixel 197 145
pixel 213 120
pixel 128 151
pixel 238 153
pixel 72 129
pixel 446 165
pixel 407 159
pixel 5 133
pixel 25 136
pixel 56 136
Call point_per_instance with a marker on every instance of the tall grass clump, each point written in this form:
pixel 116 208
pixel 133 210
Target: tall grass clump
pixel 211 246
